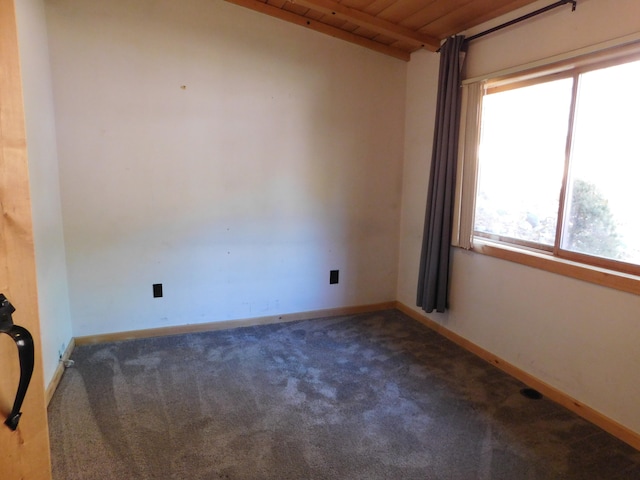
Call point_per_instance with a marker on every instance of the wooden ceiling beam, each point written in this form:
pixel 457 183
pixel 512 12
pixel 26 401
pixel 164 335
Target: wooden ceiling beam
pixel 291 17
pixel 378 25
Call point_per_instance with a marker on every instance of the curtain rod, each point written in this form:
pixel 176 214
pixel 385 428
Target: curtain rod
pixel 524 17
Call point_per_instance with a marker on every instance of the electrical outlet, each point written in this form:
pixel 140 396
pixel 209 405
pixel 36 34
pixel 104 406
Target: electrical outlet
pixel 334 276
pixel 157 290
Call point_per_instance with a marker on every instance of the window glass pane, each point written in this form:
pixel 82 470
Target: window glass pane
pixel 602 217
pixel 521 161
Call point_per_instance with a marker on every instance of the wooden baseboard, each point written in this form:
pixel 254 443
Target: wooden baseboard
pixel 620 431
pixel 228 324
pixel 57 375
pixel 614 428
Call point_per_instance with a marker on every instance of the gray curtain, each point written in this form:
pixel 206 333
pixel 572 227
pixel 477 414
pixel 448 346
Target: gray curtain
pixel 433 280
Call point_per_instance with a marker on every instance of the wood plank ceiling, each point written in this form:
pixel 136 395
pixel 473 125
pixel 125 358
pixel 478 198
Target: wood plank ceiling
pixel 392 27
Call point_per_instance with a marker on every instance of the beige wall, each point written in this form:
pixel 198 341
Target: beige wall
pixel 53 294
pixel 233 157
pixel 580 338
pixel 280 160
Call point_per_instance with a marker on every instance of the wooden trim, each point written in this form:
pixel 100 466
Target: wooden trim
pixel 600 276
pixel 614 428
pixel 228 324
pixel 378 25
pixel 291 17
pixel 25 451
pixel 57 375
pixel 599 262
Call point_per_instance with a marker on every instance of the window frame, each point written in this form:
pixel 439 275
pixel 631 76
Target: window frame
pixel 607 272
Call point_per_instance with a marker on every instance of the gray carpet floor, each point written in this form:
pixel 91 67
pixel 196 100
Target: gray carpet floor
pixel 371 396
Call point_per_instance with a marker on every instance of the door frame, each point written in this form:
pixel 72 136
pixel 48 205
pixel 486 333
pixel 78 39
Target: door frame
pixel 24 453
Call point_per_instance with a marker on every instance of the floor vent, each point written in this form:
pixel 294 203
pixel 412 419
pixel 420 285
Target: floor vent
pixel 531 393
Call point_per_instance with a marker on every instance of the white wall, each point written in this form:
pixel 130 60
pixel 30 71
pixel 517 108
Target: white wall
pixel 53 295
pixel 233 157
pixel 578 337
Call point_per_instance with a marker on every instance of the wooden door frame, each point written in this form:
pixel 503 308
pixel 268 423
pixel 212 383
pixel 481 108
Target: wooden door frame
pixel 24 453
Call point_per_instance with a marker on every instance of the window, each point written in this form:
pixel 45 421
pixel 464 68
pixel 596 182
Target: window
pixel 559 164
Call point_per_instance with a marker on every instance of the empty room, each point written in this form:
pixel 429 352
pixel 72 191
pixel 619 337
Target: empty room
pixel 320 239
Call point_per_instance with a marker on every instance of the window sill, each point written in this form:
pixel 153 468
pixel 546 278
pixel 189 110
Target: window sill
pixel 600 276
